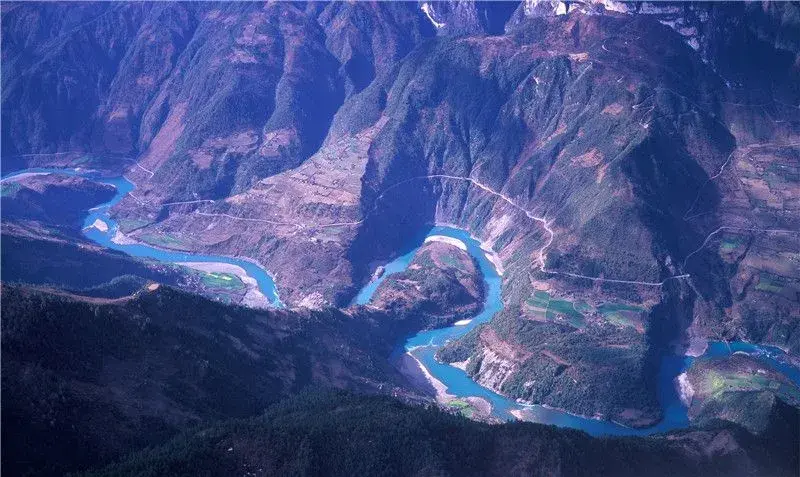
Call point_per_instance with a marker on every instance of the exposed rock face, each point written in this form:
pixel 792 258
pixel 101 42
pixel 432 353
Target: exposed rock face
pixel 497 361
pixel 607 158
pixel 468 17
pixel 442 282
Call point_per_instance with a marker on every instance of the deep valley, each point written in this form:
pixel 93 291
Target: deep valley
pixel 274 225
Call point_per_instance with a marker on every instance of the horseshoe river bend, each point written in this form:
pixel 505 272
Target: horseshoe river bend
pixel 423 345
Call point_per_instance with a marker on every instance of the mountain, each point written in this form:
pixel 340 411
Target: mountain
pixel 41 199
pixel 42 241
pixel 88 382
pixel 341 434
pixel 442 282
pixel 632 164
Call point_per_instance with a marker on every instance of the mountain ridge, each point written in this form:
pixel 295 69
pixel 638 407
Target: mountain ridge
pixel 634 172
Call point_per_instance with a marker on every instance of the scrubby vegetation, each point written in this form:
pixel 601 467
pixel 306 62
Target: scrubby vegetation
pixel 75 266
pixel 441 284
pixel 594 370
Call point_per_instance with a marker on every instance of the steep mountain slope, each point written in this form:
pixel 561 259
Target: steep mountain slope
pixel 340 434
pixel 42 240
pixel 634 169
pixel 86 380
pixel 739 389
pixel 41 199
pixel 43 243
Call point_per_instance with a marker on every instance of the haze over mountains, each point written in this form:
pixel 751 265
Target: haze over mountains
pixel 632 167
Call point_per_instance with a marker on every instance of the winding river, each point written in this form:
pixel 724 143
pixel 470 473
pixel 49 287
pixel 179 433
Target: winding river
pixel 424 344
pixel 106 237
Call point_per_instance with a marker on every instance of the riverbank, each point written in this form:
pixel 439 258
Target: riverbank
pixel 253 297
pixel 492 256
pixel 17 177
pixel 442 396
pixel 435 374
pixel 448 240
pixel 488 252
pixel 100 225
pixel 474 407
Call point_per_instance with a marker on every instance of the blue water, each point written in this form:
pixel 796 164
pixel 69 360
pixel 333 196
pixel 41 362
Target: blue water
pixel 123 187
pixel 397 265
pixel 424 345
pixel 770 355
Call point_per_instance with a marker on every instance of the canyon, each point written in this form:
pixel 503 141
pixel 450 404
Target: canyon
pixel 629 168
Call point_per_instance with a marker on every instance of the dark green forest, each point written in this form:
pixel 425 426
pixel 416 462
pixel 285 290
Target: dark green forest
pixel 341 434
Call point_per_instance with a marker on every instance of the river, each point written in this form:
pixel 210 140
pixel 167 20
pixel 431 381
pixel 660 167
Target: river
pixel 424 344
pixel 105 237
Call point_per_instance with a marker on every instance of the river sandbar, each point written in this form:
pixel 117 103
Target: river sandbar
pixel 18 177
pixel 462 365
pixel 120 238
pixel 492 256
pixel 442 396
pixel 100 225
pixel 448 240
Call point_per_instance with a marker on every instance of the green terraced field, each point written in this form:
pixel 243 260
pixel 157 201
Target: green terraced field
pixel 767 283
pixel 717 383
pixel 131 224
pixel 621 315
pixel 463 407
pixel 729 245
pixel 558 310
pixel 162 240
pixel 539 299
pixel 582 307
pixel 545 307
pixel 222 280
pixel 565 308
pixel 538 304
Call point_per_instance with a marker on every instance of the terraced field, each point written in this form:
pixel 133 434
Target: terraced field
pixel 542 307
